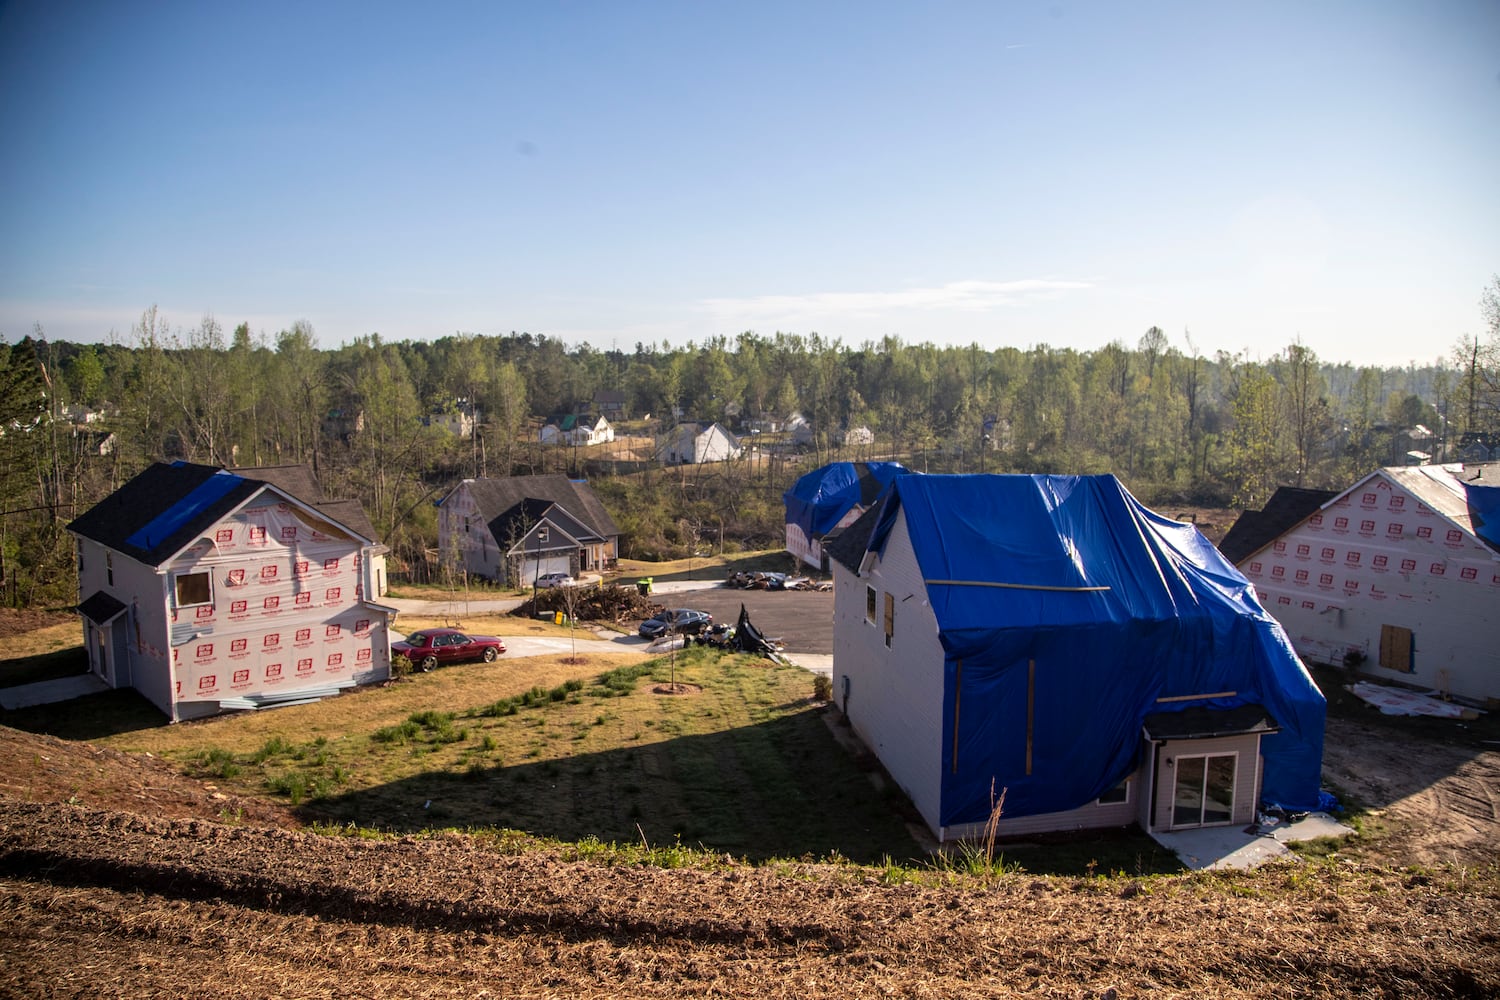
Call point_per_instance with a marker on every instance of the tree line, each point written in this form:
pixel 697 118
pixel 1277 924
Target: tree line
pixel 370 416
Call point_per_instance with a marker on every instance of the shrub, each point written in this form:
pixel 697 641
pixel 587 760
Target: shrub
pixel 822 687
pixel 218 762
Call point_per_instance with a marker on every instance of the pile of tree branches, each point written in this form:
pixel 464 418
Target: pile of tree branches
pixel 609 603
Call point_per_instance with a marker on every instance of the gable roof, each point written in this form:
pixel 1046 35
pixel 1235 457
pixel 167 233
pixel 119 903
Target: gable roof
pixel 164 508
pixel 1066 590
pixel 818 500
pixel 298 480
pixel 1253 530
pixel 526 498
pixel 167 507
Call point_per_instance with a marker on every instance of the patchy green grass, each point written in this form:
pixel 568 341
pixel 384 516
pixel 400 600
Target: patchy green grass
pixel 740 762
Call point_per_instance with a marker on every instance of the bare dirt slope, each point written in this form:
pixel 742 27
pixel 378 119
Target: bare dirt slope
pixel 130 896
pixel 1433 802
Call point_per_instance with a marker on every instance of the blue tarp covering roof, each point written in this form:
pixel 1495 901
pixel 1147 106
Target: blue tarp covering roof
pixel 164 525
pixel 1484 512
pixel 1117 607
pixel 817 501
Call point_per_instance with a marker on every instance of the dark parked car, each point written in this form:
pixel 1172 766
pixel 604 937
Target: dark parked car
pixel 431 646
pixel 680 621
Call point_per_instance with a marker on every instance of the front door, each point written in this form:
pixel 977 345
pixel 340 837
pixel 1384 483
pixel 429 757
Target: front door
pixel 1203 794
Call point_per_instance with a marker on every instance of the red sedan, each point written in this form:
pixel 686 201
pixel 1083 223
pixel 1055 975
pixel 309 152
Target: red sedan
pixel 430 646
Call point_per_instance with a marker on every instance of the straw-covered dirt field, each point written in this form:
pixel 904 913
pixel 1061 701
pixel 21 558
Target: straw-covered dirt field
pixel 151 884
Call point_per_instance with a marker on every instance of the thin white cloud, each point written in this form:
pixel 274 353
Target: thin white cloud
pixel 955 296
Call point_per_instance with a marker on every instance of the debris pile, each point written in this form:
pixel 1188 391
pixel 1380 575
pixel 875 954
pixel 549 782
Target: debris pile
pixel 742 637
pixel 775 581
pixel 610 603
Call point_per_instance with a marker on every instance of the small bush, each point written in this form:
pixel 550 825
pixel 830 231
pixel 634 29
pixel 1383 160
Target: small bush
pixel 270 748
pixel 822 687
pixel 292 784
pixel 219 763
pixel 403 732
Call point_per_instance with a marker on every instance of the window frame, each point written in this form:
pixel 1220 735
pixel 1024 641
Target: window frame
pixel 870 604
pixel 178 578
pixel 1123 788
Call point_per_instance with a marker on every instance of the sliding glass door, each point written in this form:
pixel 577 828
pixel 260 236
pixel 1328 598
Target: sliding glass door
pixel 1204 791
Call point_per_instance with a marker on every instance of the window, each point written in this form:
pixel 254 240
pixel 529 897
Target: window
pixel 890 618
pixel 870 605
pixel 191 589
pixel 1117 794
pixel 109 568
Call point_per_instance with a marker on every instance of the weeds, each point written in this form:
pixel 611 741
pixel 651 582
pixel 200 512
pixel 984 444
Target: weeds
pixel 218 763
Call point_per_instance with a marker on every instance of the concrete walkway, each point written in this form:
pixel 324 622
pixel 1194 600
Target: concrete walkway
pixel 51 692
pixel 1216 847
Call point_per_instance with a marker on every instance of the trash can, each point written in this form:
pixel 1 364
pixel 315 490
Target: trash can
pixel 643 587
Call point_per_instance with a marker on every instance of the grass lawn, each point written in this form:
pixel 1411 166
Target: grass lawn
pixel 743 763
pixel 43 655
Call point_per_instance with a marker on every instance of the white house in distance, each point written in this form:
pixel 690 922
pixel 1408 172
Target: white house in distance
pixel 208 590
pixel 693 443
pixel 576 429
pixel 1397 577
pixel 515 529
pixel 1049 640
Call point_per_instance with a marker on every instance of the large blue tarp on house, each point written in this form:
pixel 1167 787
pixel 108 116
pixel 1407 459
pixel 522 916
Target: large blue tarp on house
pixel 1484 512
pixel 1117 608
pixel 818 500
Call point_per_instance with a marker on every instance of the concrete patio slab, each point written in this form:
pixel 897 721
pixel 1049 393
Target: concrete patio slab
pixel 1218 847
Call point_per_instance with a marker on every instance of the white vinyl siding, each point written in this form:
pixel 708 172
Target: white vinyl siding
pixel 895 693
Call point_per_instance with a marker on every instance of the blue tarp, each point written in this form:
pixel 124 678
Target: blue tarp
pixel 1117 607
pixel 1484 512
pixel 205 495
pixel 819 500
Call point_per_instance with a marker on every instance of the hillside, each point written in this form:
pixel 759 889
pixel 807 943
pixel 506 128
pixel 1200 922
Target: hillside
pixel 149 883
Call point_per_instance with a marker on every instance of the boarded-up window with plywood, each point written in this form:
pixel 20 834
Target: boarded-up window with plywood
pixel 1396 649
pixel 890 617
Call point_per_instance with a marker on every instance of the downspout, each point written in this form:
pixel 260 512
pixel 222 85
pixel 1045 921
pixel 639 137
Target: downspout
pixel 1150 798
pixel 171 649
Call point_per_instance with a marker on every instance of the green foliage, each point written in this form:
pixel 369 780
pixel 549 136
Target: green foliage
pixel 1175 425
pixel 218 763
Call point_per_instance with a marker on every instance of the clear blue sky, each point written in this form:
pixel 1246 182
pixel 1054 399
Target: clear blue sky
pixel 1006 173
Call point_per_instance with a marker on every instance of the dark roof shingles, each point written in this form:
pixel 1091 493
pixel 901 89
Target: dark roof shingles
pixel 1255 529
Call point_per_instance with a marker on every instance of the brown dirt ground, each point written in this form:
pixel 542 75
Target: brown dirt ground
pixel 1432 803
pixel 136 905
pixel 15 621
pixel 136 887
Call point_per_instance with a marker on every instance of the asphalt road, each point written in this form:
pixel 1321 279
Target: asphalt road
pixel 801 619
